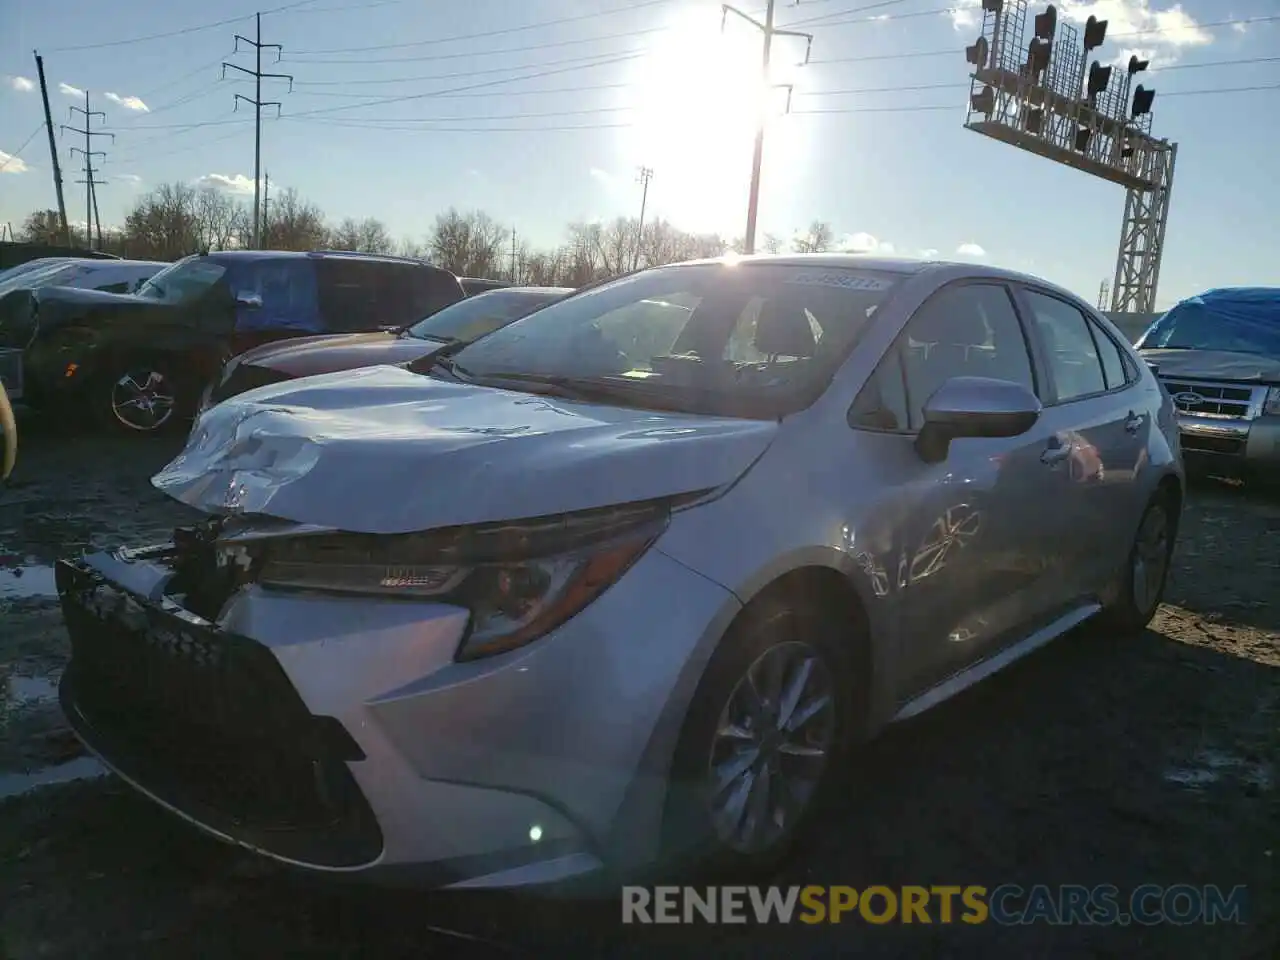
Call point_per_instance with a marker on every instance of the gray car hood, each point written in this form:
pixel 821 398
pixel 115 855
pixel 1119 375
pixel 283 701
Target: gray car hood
pixel 383 450
pixel 1214 364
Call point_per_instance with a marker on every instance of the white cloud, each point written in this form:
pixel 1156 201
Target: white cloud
pixel 1134 27
pixel 128 178
pixel 129 103
pixel 970 250
pixel 20 84
pixel 69 90
pixel 864 243
pixel 928 253
pixel 965 15
pixel 233 183
pixel 1156 33
pixel 1237 27
pixel 603 177
pixel 11 164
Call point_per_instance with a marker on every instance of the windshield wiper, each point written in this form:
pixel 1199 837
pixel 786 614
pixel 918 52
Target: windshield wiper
pixel 442 359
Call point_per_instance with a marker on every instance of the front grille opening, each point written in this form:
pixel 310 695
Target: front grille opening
pixel 209 723
pixel 1194 443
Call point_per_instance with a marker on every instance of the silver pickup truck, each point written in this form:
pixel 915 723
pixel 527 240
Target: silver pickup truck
pixel 8 436
pixel 1218 355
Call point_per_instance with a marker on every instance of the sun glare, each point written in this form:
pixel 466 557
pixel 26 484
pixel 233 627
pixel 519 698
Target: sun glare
pixel 698 98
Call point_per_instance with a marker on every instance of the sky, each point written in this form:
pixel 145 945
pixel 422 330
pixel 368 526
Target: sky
pixel 541 112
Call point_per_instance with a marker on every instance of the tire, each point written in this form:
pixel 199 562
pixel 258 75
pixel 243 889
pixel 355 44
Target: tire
pixel 142 395
pixel 1146 570
pixel 697 836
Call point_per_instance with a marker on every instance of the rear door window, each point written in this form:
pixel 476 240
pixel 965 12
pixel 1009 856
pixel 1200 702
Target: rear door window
pixel 287 288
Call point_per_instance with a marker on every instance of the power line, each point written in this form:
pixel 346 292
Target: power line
pixel 486 34
pixel 624 35
pixel 184 31
pixel 458 75
pixel 462 89
pixel 25 143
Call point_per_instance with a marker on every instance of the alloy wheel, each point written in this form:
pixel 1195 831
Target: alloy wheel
pixel 143 400
pixel 771 747
pixel 1150 557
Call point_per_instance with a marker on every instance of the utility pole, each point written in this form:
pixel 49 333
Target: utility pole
pixel 513 255
pixel 257 103
pixel 1103 289
pixel 266 196
pixel 646 174
pixel 757 158
pixel 89 153
pixel 53 152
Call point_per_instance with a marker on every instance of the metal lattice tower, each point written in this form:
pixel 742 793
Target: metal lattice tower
pixel 1146 214
pixel 1030 89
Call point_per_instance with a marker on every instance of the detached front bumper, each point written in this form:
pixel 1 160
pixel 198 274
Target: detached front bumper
pixel 339 734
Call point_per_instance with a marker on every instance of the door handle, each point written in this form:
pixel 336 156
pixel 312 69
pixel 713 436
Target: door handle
pixel 1133 423
pixel 1055 453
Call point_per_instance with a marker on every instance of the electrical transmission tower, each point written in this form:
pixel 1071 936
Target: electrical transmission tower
pixel 91 196
pixel 643 178
pixel 258 103
pixel 757 158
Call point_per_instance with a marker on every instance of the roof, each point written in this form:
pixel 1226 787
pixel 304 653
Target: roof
pixel 860 261
pixel 316 255
pixel 545 291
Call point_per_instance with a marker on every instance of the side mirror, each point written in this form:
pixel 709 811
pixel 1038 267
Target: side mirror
pixel 974 407
pixel 248 300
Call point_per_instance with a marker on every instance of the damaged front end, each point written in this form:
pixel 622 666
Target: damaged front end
pixel 201 719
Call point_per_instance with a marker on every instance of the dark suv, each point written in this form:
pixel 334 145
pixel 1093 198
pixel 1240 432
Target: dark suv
pixel 139 362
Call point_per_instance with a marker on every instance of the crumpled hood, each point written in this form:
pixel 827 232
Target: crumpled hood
pixel 327 353
pixel 383 450
pixel 1214 365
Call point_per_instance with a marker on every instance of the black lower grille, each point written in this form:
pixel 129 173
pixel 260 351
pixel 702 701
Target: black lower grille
pixel 210 724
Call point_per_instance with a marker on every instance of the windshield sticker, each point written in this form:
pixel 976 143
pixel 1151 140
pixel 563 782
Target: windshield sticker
pixel 840 278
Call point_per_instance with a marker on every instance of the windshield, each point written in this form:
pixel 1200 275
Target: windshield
pixel 472 318
pixel 747 339
pixel 1195 326
pixel 183 281
pixel 46 276
pixel 42 263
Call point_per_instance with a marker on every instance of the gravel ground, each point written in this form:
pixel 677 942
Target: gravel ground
pixel 1150 759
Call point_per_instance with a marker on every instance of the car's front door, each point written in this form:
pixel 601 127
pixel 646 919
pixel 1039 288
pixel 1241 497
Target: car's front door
pixel 973 536
pixel 1101 430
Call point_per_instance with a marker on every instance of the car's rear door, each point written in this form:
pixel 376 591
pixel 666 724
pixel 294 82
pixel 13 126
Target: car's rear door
pixel 1099 433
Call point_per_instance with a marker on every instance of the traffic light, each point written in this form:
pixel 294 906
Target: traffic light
pixel 1047 23
pixel 1082 138
pixel 1099 77
pixel 1034 120
pixel 1095 32
pixel 1038 57
pixel 984 101
pixel 977 54
pixel 1136 65
pixel 1142 98
pixel 992 6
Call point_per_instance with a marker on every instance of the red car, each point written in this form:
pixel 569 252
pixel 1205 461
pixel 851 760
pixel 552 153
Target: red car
pixel 460 322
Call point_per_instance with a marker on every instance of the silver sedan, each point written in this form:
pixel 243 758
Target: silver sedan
pixel 629 578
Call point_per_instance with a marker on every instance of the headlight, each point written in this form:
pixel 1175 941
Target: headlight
pixel 1271 406
pixel 519 579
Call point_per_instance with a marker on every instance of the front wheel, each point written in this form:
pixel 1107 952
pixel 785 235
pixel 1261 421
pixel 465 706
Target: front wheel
pixel 144 396
pixel 764 737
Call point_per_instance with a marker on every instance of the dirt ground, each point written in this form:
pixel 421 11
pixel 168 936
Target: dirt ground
pixel 1149 759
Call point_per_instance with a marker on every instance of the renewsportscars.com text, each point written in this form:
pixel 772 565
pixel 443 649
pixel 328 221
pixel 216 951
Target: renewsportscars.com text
pixel 1006 905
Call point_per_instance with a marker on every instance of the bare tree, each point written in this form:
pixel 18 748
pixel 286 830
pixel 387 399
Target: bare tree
pixel 369 235
pixel 294 223
pixel 42 226
pixel 817 239
pixel 163 225
pixel 771 243
pixel 468 244
pixel 220 219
